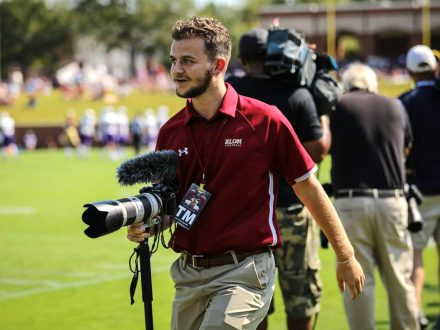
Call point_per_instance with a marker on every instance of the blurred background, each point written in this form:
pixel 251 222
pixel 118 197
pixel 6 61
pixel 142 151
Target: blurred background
pixel 72 55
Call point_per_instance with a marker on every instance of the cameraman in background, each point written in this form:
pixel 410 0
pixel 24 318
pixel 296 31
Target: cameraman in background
pixel 369 132
pixel 297 259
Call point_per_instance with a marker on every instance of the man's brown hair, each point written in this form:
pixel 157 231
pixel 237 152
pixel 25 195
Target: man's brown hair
pixel 216 36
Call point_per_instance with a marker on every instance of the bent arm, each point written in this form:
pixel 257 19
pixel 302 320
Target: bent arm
pixel 348 270
pixel 313 196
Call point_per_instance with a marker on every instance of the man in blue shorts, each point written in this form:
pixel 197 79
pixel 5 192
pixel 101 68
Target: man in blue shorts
pixel 423 107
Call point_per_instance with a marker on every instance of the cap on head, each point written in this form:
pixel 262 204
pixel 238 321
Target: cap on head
pixel 253 43
pixel 420 58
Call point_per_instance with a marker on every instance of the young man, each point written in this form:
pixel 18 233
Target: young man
pixel 233 149
pixel 297 259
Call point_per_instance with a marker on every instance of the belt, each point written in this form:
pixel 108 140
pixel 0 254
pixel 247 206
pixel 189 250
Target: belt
pixel 230 257
pixel 373 193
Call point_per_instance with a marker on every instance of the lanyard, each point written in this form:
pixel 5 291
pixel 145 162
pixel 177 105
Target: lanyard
pixel 204 165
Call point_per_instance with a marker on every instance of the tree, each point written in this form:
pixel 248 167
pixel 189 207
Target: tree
pixel 141 26
pixel 238 19
pixel 32 35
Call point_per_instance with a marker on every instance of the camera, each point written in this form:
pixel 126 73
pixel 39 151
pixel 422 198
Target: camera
pixel 289 57
pixel 158 168
pixel 414 198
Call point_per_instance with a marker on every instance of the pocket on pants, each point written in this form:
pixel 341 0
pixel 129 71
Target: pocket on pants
pixel 175 269
pixel 261 269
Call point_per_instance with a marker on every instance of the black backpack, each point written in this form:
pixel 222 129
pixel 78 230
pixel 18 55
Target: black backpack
pixel 289 57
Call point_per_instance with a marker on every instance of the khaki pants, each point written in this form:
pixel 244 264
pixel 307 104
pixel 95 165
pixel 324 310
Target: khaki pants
pixel 377 229
pixel 224 297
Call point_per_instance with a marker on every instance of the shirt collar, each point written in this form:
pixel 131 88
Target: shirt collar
pixel 228 106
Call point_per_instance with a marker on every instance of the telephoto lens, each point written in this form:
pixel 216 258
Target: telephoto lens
pixel 108 216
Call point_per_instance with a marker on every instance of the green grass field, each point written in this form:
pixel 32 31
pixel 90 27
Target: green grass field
pixel 54 277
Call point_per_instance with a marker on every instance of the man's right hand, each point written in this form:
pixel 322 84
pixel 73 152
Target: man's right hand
pixel 350 275
pixel 137 233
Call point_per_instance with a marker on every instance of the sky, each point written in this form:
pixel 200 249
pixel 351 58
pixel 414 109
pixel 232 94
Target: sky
pixel 201 3
pixel 227 2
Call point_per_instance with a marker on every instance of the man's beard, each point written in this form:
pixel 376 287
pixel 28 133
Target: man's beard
pixel 200 88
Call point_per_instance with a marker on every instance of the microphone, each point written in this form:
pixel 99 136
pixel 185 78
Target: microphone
pixel 151 167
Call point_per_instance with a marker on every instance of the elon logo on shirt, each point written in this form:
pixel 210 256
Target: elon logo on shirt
pixel 233 142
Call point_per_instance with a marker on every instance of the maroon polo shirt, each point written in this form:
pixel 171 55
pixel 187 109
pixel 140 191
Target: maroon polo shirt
pixel 244 149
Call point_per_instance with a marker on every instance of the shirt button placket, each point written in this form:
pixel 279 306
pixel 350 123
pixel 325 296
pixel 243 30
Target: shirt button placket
pixel 207 142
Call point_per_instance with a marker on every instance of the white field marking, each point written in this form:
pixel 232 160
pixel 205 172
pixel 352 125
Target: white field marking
pixel 26 282
pixel 45 286
pixel 60 286
pixel 113 266
pixel 16 210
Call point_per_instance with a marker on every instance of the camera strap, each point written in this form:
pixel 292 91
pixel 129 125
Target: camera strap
pixel 135 272
pixel 143 251
pixel 204 164
pixel 143 254
pixel 195 199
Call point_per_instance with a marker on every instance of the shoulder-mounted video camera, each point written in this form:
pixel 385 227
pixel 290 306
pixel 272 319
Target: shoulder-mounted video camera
pixel 290 57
